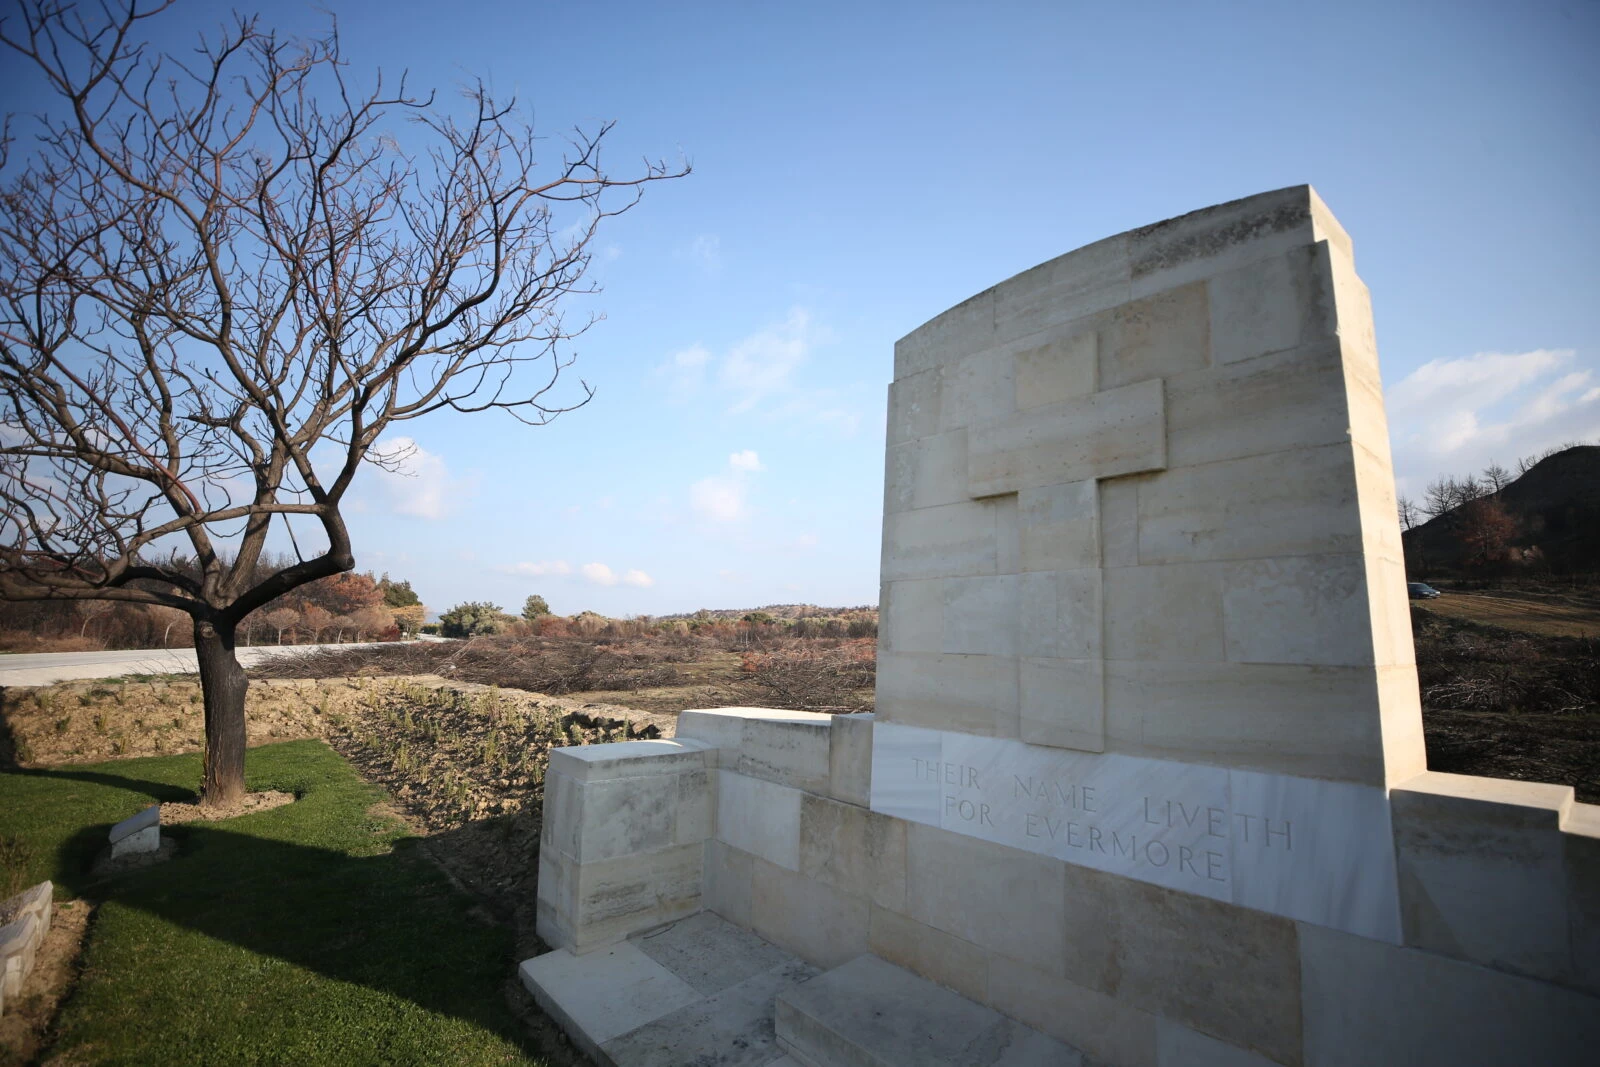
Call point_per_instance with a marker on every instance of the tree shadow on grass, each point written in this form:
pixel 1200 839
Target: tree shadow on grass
pixel 389 922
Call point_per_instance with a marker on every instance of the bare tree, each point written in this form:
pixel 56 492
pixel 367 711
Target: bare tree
pixel 222 278
pixel 1496 477
pixel 1409 514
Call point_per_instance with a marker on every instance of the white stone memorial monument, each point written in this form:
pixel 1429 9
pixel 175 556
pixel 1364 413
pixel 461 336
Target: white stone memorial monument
pixel 1146 782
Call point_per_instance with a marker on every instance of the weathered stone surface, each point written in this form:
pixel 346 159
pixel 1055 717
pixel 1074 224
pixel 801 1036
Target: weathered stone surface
pixel 728 879
pixel 143 820
pixel 759 817
pixel 598 996
pixel 628 759
pixel 874 1014
pixel 850 759
pixel 820 924
pixel 853 849
pixel 145 840
pixel 1366 1002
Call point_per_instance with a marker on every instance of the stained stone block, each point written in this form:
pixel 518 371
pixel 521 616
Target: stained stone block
pixel 1059 526
pixel 762 818
pixel 997 884
pixel 1112 432
pixel 927 473
pixel 954 540
pixel 1219 239
pixel 1365 1002
pixel 914 407
pixel 822 925
pixel 1063 290
pixel 853 849
pixel 1170 614
pixel 1106 1028
pixel 977 390
pixel 980 616
pixel 850 759
pixel 1298 609
pixel 972 694
pixel 944 958
pixel 964 330
pixel 1272 305
pixel 1063 703
pixel 726 889
pixel 1160 336
pixel 1061 368
pixel 912 616
pixel 1482 871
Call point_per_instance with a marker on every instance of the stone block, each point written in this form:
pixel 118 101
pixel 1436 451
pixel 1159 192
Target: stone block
pixel 850 759
pixel 617 897
pixel 977 389
pixel 870 1013
pixel 622 816
pixel 1060 368
pixel 726 889
pixel 913 616
pixel 1310 721
pixel 972 694
pixel 695 817
pixel 822 925
pixel 1295 503
pixel 1219 239
pixel 1366 1002
pixel 1482 877
pixel 599 996
pixel 1167 613
pixel 854 849
pixel 1272 305
pixel 709 953
pixel 1113 432
pixel 981 904
pixel 760 817
pixel 926 473
pixel 1179 1046
pixel 628 759
pixel 19 943
pixel 1164 952
pixel 1119 520
pixel 1580 841
pixel 1061 614
pixel 979 615
pixel 932 954
pixel 1298 609
pixel 133 824
pixel 730 1028
pixel 790 750
pixel 1062 291
pixel 965 329
pixel 1063 703
pixel 1292 399
pixel 1059 526
pixel 914 407
pixel 1162 335
pixel 950 541
pixel 1104 1028
pixel 146 840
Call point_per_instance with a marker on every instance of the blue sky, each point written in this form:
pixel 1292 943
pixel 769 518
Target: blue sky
pixel 858 168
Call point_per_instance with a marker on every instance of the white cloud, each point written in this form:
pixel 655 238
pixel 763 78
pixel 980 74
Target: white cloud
pixel 1454 416
pixel 705 251
pixel 762 366
pixel 413 481
pixel 638 578
pixel 685 372
pixel 746 461
pixel 536 570
pixel 718 499
pixel 598 573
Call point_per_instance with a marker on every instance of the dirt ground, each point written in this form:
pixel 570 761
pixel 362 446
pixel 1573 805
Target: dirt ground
pixel 1547 614
pixel 27 1017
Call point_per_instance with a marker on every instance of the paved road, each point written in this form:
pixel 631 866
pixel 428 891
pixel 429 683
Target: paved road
pixel 47 668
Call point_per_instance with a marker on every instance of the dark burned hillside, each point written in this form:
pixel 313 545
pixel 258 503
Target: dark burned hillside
pixel 1555 508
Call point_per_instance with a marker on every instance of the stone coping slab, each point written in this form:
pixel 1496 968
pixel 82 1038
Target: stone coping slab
pixel 145 819
pixel 700 990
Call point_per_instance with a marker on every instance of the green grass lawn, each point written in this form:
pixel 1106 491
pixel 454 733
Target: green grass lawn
pixel 311 933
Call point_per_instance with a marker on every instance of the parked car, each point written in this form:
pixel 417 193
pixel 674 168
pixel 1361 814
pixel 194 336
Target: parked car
pixel 1421 591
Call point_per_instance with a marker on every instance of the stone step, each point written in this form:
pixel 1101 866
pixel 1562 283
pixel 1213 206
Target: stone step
pixel 869 1013
pixel 698 991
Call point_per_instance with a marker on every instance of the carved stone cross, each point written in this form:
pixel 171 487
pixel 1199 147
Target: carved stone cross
pixel 1053 456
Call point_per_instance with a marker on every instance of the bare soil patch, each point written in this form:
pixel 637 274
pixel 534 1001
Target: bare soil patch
pixel 173 812
pixel 1546 614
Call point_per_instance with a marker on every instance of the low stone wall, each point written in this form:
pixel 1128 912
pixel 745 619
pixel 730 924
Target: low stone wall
pixel 764 818
pixel 24 920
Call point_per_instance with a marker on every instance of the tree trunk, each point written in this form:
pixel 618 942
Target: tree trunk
pixel 223 682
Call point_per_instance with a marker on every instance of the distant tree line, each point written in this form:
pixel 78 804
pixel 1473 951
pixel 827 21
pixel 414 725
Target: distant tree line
pixel 339 608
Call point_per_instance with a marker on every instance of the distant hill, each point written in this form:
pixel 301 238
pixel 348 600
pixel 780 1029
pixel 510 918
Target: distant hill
pixel 1556 506
pixel 777 611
